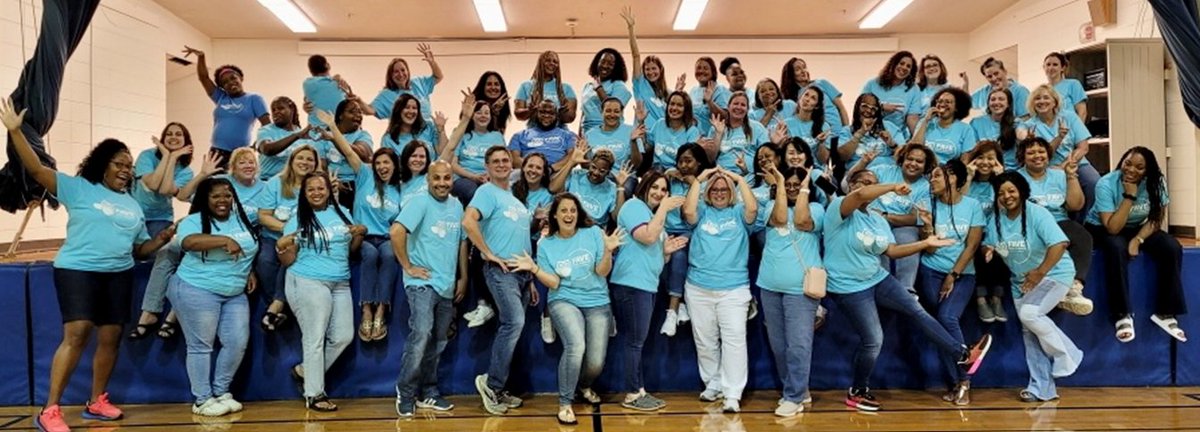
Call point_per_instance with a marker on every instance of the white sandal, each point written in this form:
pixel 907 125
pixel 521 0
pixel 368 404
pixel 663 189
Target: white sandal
pixel 1125 325
pixel 1171 326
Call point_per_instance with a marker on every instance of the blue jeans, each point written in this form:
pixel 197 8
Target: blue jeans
pixel 789 319
pixel 861 310
pixel 325 314
pixel 429 329
pixel 1049 353
pixel 948 311
pixel 904 269
pixel 584 333
pixel 1088 177
pixel 269 271
pixel 510 293
pixel 633 308
pixel 166 260
pixel 378 271
pixel 206 317
pixel 676 271
pixel 155 226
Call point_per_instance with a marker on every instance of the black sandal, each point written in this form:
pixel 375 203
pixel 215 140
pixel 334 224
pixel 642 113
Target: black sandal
pixel 140 332
pixel 167 330
pixel 320 403
pixel 272 320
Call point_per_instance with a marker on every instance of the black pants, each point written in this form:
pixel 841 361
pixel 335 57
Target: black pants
pixel 992 278
pixel 1164 251
pixel 1080 248
pixel 63 25
pixel 222 157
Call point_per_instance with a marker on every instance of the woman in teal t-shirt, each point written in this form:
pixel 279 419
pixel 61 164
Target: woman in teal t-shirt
pixel 277 208
pixel 991 276
pixel 573 260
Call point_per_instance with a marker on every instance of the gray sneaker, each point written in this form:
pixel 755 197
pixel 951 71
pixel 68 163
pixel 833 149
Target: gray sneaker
pixel 404 407
pixel 508 400
pixel 711 395
pixel 645 402
pixel 986 314
pixel 490 402
pixel 998 310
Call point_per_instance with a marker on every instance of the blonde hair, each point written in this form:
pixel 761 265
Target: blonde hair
pixel 1045 88
pixel 243 152
pixel 289 180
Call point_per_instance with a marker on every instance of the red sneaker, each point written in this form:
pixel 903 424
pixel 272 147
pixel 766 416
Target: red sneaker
pixel 102 409
pixel 51 420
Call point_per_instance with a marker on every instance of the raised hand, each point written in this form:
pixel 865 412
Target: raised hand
pixel 681 82
pixel 627 14
pixel 718 122
pixel 499 103
pixel 639 112
pixel 614 240
pixel 779 133
pixel 973 167
pixel 468 104
pixel 709 89
pixel 1071 168
pixel 674 244
pixel 426 52
pixel 706 174
pixel 672 202
pixel 325 117
pixel 622 175
pixel 639 132
pixel 439 120
pixel 210 165
pixel 1063 130
pixel 740 161
pixel 580 152
pixel 187 51
pixel 869 157
pixel 11 118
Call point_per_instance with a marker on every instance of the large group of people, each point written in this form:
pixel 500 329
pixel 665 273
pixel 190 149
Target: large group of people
pixel 896 201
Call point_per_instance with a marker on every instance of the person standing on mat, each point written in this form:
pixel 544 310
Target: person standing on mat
pixel 93 271
pixel 235 111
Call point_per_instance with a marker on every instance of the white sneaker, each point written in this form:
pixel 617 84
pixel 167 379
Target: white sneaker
pixel 1075 302
pixel 710 395
pixel 788 409
pixel 670 322
pixel 547 330
pixel 482 314
pixel 210 408
pixel 683 314
pixel 731 406
pixel 227 400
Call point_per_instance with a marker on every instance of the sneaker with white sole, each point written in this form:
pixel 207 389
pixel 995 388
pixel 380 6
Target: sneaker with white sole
pixel 102 409
pixel 210 408
pixel 788 409
pixel 710 395
pixel 510 401
pixel 436 403
pixel 731 406
pixel 547 330
pixel 1075 302
pixel 684 316
pixel 482 314
pixel 670 322
pixel 490 402
pixel 229 402
pixel 753 310
pixel 405 407
pixel 590 396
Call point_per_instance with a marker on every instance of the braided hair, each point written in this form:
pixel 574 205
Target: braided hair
pixel 309 224
pixel 201 205
pixel 959 170
pixel 1022 186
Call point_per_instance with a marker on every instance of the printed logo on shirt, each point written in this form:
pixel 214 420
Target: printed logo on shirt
pixel 943 147
pixel 579 257
pixel 231 106
pixel 375 202
pixel 1013 249
pixel 334 156
pixel 333 233
pixel 1049 200
pixel 283 213
pixel 542 141
pixel 872 242
pixel 121 218
pixel 516 212
pixel 720 226
pixel 473 151
pixel 443 228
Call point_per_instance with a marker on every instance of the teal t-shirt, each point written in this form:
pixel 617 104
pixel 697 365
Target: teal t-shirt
pixel 574 261
pixel 616 141
pixel 336 162
pixel 370 209
pixel 215 270
pixel 592 106
pixel 269 166
pixel 473 147
pixel 853 245
pixel 427 136
pixel 251 197
pixel 504 220
pixel 951 142
pixel 908 98
pixel 988 129
pixel 953 222
pixel 282 207
pixel 1110 193
pixel 414 187
pixel 1050 192
pixel 329 258
pixel 700 109
pixel 655 107
pixel 1023 252
pixel 638 265
pixel 102 226
pixel 598 200
pixel 1077 132
pixel 156 207
pixel 719 250
pixel 789 252
pixel 667 142
pixel 899 204
pixel 871 143
pixel 420 87
pixel 736 142
pixel 435 231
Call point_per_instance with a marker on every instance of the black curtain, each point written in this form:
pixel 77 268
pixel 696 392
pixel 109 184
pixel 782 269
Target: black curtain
pixel 1181 31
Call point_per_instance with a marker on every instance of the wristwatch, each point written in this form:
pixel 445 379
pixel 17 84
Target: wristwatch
pixel 1130 197
pixel 955 275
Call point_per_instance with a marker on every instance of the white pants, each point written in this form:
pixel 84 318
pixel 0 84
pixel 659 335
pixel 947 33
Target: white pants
pixel 719 329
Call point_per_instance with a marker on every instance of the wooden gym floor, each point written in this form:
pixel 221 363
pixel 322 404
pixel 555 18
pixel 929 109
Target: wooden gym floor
pixel 995 410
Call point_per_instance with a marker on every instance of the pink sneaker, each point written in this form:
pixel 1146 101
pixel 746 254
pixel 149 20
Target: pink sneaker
pixel 102 409
pixel 51 420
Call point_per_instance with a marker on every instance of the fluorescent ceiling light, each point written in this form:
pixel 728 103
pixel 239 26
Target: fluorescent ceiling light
pixel 491 16
pixel 883 13
pixel 689 14
pixel 292 16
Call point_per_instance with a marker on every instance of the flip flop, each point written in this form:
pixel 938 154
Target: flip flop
pixel 365 331
pixel 1125 325
pixel 1171 326
pixel 168 330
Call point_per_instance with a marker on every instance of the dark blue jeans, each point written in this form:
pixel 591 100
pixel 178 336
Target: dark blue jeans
pixel 269 271
pixel 860 308
pixel 379 270
pixel 948 311
pixel 633 308
pixel 676 271
pixel 429 329
pixel 509 290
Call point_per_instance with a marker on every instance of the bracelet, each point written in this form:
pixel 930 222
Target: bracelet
pixel 805 190
pixel 1130 197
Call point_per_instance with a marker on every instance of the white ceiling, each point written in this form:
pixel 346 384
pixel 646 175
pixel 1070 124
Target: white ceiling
pixel 448 19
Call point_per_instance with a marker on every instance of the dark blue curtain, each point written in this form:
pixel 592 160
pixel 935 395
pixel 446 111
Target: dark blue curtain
pixel 1181 31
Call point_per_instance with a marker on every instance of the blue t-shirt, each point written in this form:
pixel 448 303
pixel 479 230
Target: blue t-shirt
pixel 428 136
pixel 215 270
pixel 655 106
pixel 324 94
pixel 899 204
pixel 927 96
pixel 554 143
pixel 234 118
pixel 719 250
pixel 616 141
pixel 1050 192
pixel 504 220
pixel 667 141
pixel 370 210
pixel 537 199
pixel 871 143
pixel 156 207
pixel 1109 194
pixel 251 197
pixel 598 200
pixel 329 260
pixel 1071 92
pixel 1025 252
pixel 953 222
pixel 102 228
pixel 908 98
pixel 789 108
pixel 852 248
pixel 1077 132
pixel 337 162
pixel 283 208
pixel 1020 95
pixel 269 166
pixel 675 223
pixel 435 231
pixel 473 148
pixel 419 87
pixel 574 261
pixel 789 253
pixel 593 113
pixel 988 129
pixel 983 193
pixel 803 129
pixel 832 115
pixel 412 188
pixel 700 109
pixel 949 143
pixel 638 265
pixel 549 91
pixel 735 142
